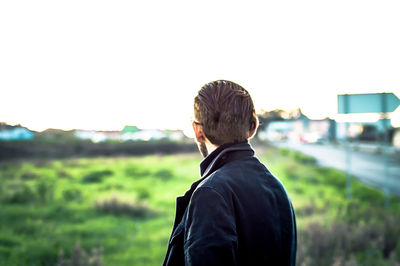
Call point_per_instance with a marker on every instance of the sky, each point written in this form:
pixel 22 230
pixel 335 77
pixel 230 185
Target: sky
pixel 105 64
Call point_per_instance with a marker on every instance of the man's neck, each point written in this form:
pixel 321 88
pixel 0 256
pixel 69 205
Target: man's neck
pixel 210 147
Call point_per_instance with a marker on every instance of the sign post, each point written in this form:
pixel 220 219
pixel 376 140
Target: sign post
pixel 386 163
pixel 348 153
pixel 383 103
pixel 348 163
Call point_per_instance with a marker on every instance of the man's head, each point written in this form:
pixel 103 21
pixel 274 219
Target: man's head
pixel 224 113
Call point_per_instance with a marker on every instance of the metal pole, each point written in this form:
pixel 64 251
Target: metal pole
pixel 348 153
pixel 348 163
pixel 385 150
pixel 386 166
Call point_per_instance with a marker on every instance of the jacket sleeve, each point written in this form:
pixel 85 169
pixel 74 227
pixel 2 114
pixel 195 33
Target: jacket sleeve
pixel 210 231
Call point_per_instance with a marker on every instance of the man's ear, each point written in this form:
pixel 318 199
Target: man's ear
pixel 198 132
pixel 253 128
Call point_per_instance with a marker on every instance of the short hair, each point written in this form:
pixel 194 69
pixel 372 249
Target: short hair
pixel 226 112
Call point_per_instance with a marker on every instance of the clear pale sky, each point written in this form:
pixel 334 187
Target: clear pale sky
pixel 106 64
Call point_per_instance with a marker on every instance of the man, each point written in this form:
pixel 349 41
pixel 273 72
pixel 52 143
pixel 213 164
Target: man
pixel 238 213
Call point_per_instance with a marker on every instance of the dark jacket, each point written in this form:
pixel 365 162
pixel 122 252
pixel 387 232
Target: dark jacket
pixel 238 213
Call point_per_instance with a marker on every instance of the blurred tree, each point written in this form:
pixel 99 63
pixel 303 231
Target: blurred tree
pixel 266 117
pixel 56 135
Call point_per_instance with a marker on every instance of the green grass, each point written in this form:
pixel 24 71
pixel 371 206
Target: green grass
pixel 60 210
pixel 126 205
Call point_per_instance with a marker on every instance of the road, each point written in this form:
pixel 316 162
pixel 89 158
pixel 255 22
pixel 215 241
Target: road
pixel 367 167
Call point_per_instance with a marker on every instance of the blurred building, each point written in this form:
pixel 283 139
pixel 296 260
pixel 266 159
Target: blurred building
pixel 175 135
pixel 145 135
pixel 365 131
pixel 130 133
pixel 98 136
pixel 301 129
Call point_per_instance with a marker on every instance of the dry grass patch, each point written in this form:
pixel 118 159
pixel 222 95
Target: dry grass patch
pixel 117 206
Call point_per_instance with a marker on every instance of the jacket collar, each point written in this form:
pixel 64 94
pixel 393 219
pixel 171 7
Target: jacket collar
pixel 215 159
pixel 211 163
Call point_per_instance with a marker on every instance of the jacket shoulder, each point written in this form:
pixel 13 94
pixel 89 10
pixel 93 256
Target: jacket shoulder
pixel 234 174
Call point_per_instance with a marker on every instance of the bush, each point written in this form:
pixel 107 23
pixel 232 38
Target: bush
pixel 38 253
pixel 72 194
pixel 79 257
pixel 298 156
pixel 7 174
pixel 304 159
pixel 292 170
pixel 45 190
pixel 364 237
pixel 96 176
pixel 368 194
pixel 306 210
pixel 332 177
pixel 17 192
pixel 134 171
pixel 164 174
pixel 284 151
pixel 143 193
pixel 63 174
pixel 8 241
pixel 320 245
pixel 29 175
pixel 391 236
pixel 117 206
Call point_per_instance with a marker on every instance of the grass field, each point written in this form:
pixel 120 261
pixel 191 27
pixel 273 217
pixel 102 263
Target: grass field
pixel 119 211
